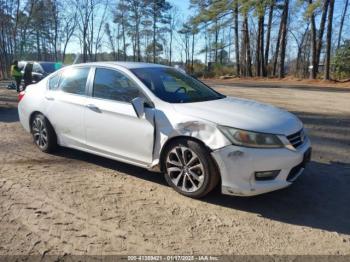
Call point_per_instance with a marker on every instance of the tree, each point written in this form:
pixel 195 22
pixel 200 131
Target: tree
pixel 120 18
pixel 236 29
pixel 341 61
pixel 342 22
pixel 329 40
pixel 313 40
pixel 283 39
pixel 185 31
pixel 69 24
pixel 268 34
pixel 172 21
pixel 85 12
pixel 136 8
pixel 246 50
pixel 320 35
pixel 194 31
pixel 157 10
pixel 260 8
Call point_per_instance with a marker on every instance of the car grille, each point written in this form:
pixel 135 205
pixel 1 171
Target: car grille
pixel 297 139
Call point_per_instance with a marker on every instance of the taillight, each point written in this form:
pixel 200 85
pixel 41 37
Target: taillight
pixel 21 95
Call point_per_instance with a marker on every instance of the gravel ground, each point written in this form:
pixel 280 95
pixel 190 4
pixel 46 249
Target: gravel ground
pixel 76 203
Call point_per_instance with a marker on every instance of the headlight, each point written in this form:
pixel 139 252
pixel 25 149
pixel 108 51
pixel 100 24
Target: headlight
pixel 251 139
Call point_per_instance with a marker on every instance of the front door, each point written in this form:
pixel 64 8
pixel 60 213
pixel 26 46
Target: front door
pixel 111 124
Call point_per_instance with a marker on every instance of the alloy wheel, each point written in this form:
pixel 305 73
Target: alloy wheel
pixel 185 169
pixel 39 133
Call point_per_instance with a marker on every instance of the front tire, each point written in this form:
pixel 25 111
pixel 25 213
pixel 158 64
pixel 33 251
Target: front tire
pixel 43 133
pixel 189 168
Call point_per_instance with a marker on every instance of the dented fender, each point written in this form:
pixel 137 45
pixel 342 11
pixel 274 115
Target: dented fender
pixel 184 126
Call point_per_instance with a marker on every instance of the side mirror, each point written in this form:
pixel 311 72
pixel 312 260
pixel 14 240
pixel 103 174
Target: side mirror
pixel 138 104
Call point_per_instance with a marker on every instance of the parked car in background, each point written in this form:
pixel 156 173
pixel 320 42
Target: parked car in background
pixel 159 118
pixel 40 69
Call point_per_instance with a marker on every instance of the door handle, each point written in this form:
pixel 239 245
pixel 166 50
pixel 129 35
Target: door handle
pixel 93 108
pixel 50 98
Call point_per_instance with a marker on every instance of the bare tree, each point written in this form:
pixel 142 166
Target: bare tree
pixel 329 40
pixel 268 34
pixel 342 22
pixel 69 25
pixel 283 39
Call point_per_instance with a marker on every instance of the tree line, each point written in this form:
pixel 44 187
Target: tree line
pixel 246 38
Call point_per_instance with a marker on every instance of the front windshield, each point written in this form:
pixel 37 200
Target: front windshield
pixel 172 86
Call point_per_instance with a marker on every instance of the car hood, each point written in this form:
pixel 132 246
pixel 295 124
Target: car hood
pixel 243 114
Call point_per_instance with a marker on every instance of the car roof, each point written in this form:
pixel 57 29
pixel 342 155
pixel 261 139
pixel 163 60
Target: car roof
pixel 128 65
pixel 39 62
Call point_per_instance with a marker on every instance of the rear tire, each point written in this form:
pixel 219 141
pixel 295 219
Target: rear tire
pixel 44 135
pixel 189 168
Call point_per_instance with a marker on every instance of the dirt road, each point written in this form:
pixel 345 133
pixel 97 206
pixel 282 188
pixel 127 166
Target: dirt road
pixel 77 203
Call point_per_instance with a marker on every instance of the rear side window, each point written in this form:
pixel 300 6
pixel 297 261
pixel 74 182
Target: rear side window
pixel 73 80
pixel 53 82
pixel 113 85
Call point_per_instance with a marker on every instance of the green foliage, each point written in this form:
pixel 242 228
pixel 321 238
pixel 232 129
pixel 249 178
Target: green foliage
pixel 342 61
pixel 218 70
pixel 312 8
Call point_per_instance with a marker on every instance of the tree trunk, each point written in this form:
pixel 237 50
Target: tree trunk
pixel 124 41
pixel 329 40
pixel 342 22
pixel 15 29
pixel 277 49
pixel 247 48
pixel 313 45
pixel 258 44
pixel 154 36
pixel 138 45
pixel 38 45
pixel 268 35
pixel 284 38
pixel 260 64
pixel 262 43
pixel 118 42
pixel 216 40
pixel 238 70
pixel 192 58
pixel 300 46
pixel 171 47
pixel 320 34
pixel 91 36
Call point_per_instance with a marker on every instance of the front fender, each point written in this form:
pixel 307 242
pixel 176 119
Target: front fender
pixel 184 126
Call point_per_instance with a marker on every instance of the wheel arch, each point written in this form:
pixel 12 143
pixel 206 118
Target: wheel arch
pixel 33 114
pixel 170 140
pixel 31 117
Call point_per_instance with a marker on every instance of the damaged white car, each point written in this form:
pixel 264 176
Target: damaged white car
pixel 159 118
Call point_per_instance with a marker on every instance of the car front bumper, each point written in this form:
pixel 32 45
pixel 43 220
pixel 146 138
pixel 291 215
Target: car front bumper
pixel 237 166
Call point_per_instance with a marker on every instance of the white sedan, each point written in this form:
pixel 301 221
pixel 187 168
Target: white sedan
pixel 161 119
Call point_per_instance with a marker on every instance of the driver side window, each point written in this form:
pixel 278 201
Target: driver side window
pixel 113 85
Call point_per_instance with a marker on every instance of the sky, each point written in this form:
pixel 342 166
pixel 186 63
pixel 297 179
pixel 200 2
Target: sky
pixel 183 5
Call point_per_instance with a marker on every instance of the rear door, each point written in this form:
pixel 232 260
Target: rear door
pixel 66 103
pixel 112 126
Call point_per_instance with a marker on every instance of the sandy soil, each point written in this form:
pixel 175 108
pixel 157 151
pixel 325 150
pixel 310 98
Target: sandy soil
pixel 287 81
pixel 77 203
